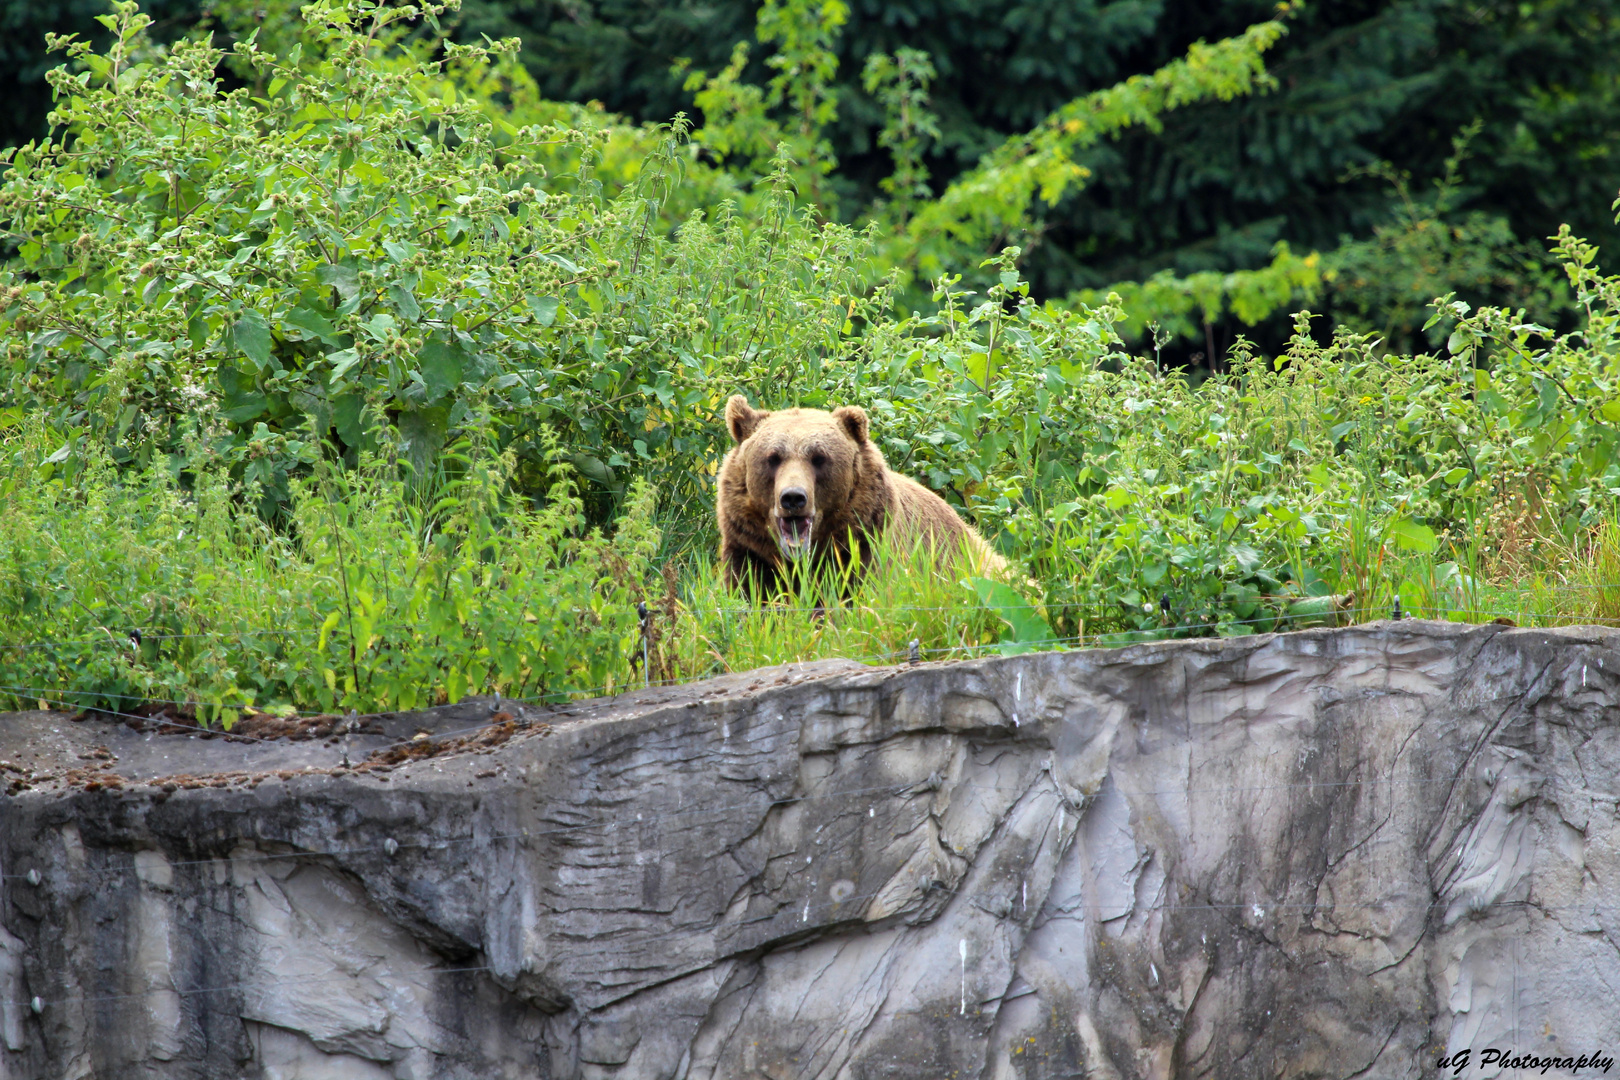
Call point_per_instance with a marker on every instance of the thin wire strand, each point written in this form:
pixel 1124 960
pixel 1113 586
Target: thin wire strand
pixel 463 703
pixel 112 638
pixel 1101 639
pixel 45 695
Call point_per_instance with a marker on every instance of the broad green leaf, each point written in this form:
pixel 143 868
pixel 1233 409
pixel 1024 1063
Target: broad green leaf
pixel 241 400
pixel 1024 624
pixel 976 365
pixel 404 302
pixel 327 626
pixel 560 260
pixel 592 468
pixel 347 411
pixel 342 362
pixel 1409 535
pixel 544 308
pixel 380 325
pixel 421 436
pixel 252 336
pixel 1315 611
pixel 312 323
pixel 345 279
pixel 441 368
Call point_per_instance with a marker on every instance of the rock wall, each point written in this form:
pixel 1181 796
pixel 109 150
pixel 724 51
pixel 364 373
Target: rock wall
pixel 1330 853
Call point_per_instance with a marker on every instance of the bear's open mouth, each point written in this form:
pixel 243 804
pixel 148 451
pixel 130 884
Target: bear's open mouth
pixel 793 534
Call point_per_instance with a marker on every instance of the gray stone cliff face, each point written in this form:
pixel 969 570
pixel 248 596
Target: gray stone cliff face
pixel 1331 853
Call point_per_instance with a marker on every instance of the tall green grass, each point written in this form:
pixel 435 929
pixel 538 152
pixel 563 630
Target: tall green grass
pixel 872 613
pixel 379 591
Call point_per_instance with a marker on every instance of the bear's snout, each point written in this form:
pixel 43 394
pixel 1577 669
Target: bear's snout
pixel 795 514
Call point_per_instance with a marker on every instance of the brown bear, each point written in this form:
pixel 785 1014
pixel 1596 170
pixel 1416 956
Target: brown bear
pixel 801 482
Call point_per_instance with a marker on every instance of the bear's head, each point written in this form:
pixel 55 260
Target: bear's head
pixel 801 468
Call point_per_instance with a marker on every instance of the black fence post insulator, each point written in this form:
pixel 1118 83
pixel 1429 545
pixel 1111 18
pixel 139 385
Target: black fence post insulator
pixel 915 650
pixel 646 626
pixel 1396 615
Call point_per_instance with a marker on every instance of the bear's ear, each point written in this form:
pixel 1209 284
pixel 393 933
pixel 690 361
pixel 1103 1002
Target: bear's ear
pixel 741 419
pixel 853 419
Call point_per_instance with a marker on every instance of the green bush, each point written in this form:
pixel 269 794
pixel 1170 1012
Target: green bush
pixel 263 272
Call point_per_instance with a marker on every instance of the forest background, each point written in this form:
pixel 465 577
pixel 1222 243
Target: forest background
pixel 1335 158
pixel 412 335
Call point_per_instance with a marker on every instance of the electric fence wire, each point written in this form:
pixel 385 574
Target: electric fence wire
pixel 113 639
pixel 47 693
pixel 52 697
pixel 1280 617
pixel 1100 639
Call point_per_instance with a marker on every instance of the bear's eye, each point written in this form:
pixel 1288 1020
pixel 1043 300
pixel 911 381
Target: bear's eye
pixel 818 460
pixel 774 460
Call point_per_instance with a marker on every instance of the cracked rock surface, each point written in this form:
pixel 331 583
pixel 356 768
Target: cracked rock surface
pixel 1332 853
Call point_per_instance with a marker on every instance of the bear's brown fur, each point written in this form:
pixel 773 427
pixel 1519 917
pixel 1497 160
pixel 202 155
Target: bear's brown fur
pixel 801 482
